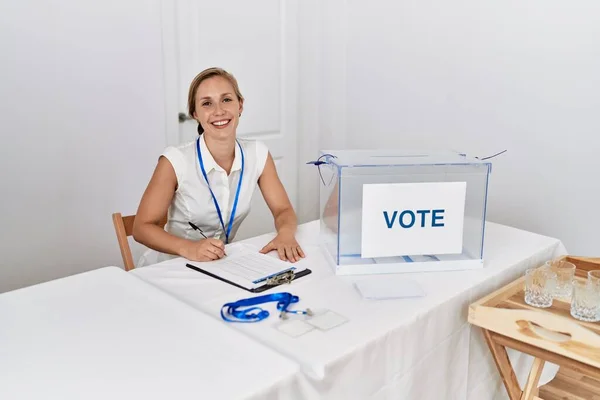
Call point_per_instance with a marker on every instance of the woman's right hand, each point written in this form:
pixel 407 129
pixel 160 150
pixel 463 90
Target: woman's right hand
pixel 204 250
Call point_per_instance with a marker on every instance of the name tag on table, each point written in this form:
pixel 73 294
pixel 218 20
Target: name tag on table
pixel 412 218
pixel 322 319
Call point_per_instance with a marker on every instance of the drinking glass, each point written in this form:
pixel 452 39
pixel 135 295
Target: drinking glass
pixel 539 286
pixel 585 304
pixel 565 274
pixel 594 277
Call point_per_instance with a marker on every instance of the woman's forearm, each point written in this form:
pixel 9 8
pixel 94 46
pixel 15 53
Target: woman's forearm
pixel 155 237
pixel 286 221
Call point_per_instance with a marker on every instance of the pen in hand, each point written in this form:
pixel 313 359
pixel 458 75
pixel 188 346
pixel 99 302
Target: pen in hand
pixel 198 229
pixel 202 233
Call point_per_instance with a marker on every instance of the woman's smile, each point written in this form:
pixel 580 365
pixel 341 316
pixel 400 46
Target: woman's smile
pixel 222 123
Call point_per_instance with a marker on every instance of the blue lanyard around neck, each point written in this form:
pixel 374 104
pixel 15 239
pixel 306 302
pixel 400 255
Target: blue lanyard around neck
pixel 237 192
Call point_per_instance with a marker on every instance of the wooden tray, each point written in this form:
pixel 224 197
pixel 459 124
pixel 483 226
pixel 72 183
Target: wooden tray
pixel 549 334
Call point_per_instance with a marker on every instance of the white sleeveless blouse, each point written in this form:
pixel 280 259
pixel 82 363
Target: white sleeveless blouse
pixel 193 201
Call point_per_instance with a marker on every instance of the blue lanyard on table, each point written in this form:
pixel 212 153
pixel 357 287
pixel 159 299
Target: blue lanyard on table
pixel 237 192
pixel 283 299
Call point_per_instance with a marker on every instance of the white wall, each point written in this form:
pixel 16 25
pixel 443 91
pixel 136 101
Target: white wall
pixel 82 114
pixel 321 92
pixel 481 77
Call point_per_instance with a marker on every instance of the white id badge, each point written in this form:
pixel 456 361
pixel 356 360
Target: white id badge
pixel 326 320
pixel 294 327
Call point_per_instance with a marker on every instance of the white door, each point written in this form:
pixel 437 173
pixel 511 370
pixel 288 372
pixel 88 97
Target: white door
pixel 257 42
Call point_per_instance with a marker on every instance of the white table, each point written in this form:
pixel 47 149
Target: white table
pixel 419 348
pixel 106 334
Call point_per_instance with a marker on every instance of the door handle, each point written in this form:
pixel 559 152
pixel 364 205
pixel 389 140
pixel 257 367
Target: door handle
pixel 184 117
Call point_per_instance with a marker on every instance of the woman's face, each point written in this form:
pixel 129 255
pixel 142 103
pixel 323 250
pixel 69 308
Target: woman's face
pixel 217 107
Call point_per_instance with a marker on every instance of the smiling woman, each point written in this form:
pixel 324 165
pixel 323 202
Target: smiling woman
pixel 206 186
pixel 220 80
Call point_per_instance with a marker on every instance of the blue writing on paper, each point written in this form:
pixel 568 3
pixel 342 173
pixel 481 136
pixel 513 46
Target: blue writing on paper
pixel 408 219
pixel 435 217
pixel 387 220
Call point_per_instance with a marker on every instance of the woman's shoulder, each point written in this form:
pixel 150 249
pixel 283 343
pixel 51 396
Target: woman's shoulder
pixel 252 144
pixel 256 149
pixel 183 149
pixel 179 156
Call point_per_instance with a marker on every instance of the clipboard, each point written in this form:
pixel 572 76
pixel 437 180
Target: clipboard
pixel 282 279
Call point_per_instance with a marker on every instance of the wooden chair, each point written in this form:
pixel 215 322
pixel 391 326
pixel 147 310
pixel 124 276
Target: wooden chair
pixel 123 229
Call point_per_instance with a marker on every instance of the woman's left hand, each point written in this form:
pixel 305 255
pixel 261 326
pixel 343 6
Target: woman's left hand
pixel 287 247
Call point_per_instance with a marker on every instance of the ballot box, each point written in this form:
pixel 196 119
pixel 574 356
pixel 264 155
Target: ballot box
pixel 390 211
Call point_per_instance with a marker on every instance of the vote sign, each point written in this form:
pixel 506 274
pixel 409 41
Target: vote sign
pixel 412 218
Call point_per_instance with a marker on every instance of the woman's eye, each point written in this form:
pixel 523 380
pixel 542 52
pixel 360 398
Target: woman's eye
pixel 206 103
pixel 227 99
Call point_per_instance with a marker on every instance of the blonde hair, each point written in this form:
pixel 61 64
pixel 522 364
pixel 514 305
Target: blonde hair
pixel 201 77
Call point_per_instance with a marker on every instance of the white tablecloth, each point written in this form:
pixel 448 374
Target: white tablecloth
pixel 421 348
pixel 106 334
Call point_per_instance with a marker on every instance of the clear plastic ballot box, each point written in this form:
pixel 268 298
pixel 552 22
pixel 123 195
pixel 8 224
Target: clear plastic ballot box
pixel 387 211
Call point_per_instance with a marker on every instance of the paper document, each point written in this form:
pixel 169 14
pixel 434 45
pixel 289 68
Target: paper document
pixel 246 266
pixel 389 288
